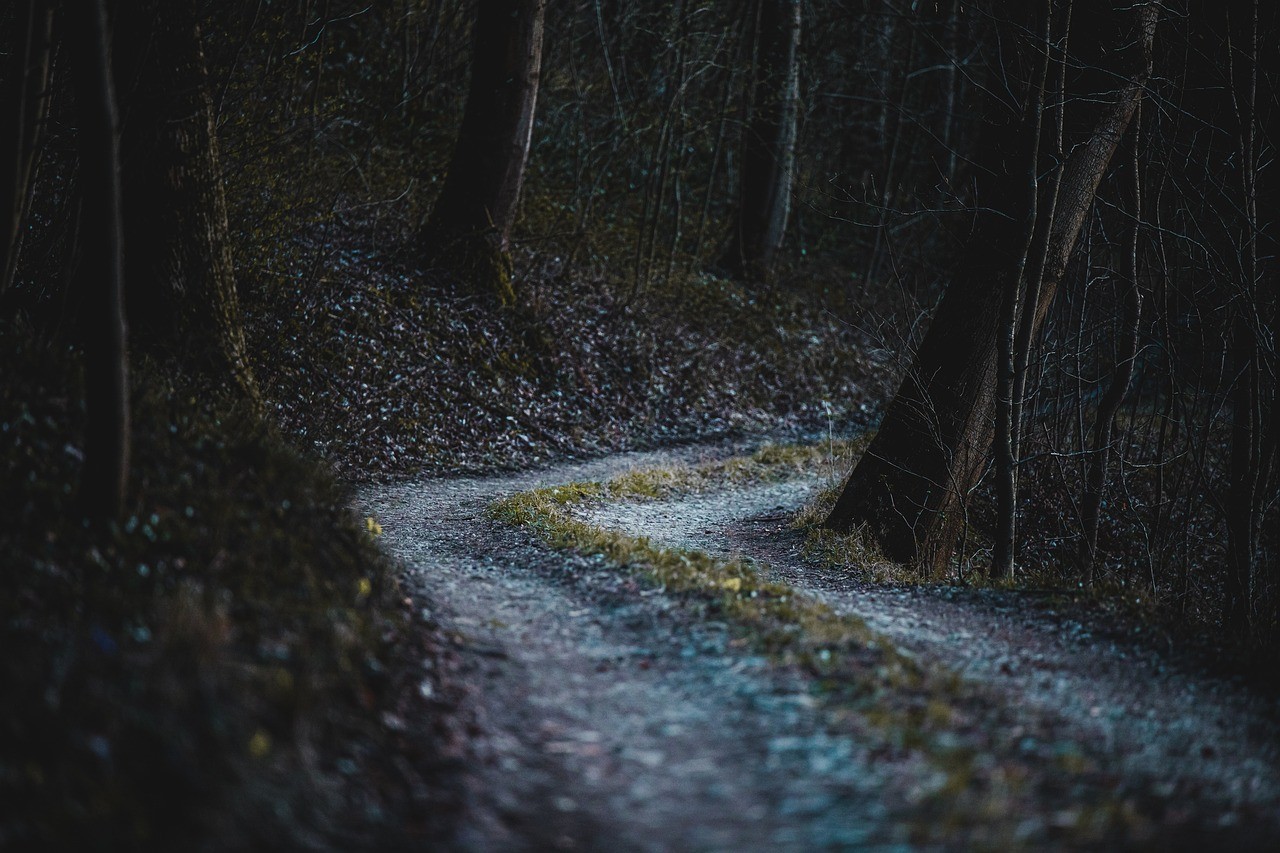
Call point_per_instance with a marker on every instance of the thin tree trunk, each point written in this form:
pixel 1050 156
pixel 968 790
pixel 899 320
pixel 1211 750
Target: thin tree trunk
pixel 182 299
pixel 952 93
pixel 1006 451
pixel 1249 459
pixel 722 126
pixel 935 439
pixel 769 145
pixel 1040 248
pixel 1113 397
pixel 101 269
pixel 888 176
pixel 25 103
pixel 469 228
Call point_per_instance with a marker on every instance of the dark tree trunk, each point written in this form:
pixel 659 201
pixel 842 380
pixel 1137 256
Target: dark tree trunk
pixel 911 485
pixel 182 300
pixel 769 144
pixel 24 102
pixel 469 228
pixel 100 273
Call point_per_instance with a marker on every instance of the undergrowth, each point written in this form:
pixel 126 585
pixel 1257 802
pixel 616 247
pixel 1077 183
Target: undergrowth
pixel 855 551
pixel 225 665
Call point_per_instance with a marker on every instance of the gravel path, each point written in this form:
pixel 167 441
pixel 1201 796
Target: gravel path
pixel 1158 714
pixel 610 718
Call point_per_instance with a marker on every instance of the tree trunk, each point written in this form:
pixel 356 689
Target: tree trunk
pixel 1117 388
pixel 469 228
pixel 24 101
pixel 1252 349
pixel 769 145
pixel 182 300
pixel 101 272
pixel 1003 552
pixel 911 485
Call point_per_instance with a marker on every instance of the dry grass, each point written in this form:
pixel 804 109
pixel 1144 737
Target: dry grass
pixel 856 550
pixel 772 463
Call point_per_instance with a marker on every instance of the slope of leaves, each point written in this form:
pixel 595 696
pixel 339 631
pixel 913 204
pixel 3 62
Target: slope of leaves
pixel 386 367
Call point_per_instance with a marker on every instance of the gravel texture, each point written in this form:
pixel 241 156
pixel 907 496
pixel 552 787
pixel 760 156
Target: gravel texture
pixel 1156 711
pixel 609 717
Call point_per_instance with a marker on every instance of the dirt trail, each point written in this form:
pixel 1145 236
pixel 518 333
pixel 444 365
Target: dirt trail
pixel 615 719
pixel 1155 713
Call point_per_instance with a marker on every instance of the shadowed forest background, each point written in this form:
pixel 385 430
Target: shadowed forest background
pixel 257 253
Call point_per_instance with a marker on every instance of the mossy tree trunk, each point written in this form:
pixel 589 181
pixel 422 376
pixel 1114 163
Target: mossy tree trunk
pixel 910 487
pixel 182 303
pixel 769 143
pixel 24 103
pixel 100 272
pixel 469 228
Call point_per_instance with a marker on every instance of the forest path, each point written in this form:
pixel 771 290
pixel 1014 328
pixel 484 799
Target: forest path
pixel 1157 714
pixel 613 718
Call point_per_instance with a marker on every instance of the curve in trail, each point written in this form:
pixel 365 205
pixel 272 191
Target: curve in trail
pixel 610 718
pixel 1157 714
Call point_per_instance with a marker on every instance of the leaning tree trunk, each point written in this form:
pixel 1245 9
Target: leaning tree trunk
pixel 100 273
pixel 24 102
pixel 911 485
pixel 182 301
pixel 769 145
pixel 469 228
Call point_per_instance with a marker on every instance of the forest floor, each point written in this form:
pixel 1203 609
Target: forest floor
pixel 612 716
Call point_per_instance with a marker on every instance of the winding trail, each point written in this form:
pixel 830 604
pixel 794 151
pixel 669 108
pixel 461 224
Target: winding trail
pixel 609 717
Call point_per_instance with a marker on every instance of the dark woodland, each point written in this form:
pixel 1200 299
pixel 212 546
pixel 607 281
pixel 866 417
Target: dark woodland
pixel 621 424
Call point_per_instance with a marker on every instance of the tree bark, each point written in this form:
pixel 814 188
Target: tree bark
pixel 101 270
pixel 182 300
pixel 911 485
pixel 24 101
pixel 469 228
pixel 769 145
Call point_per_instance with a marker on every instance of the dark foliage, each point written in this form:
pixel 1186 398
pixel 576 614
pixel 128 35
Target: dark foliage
pixel 225 667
